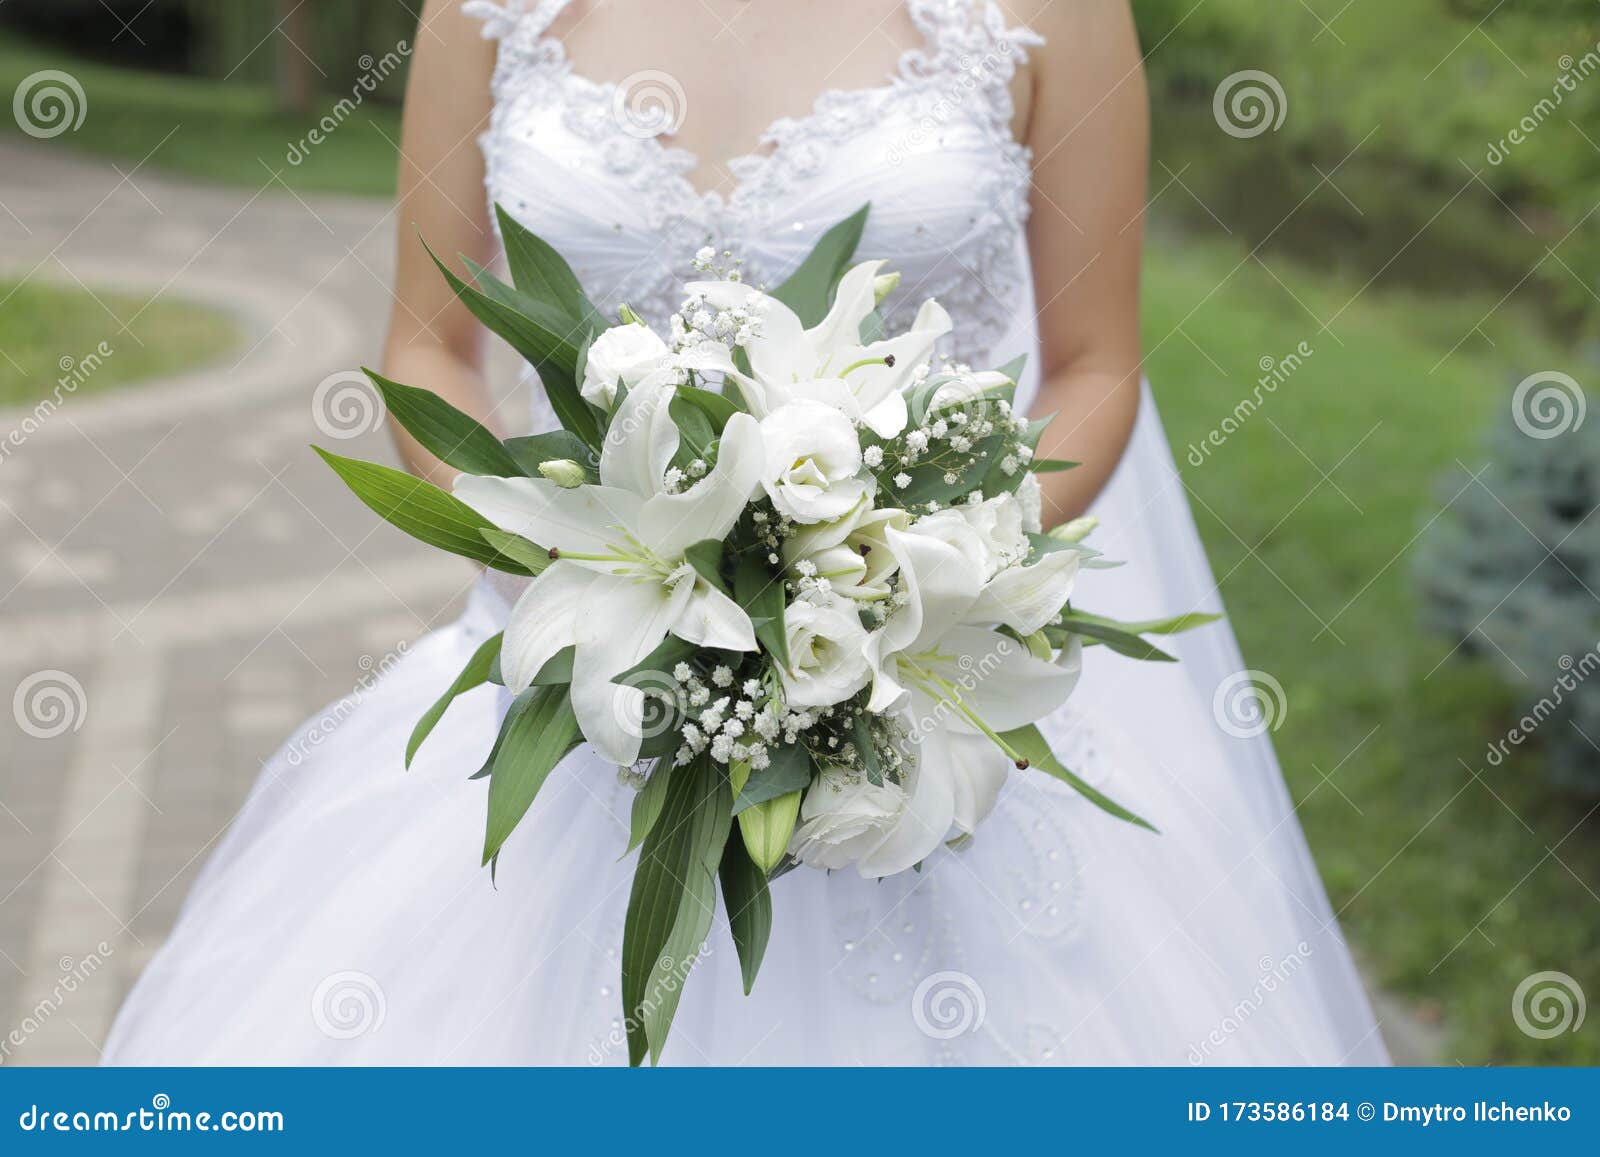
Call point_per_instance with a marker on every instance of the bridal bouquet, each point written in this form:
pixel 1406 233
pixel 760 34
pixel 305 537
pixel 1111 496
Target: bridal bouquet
pixel 786 570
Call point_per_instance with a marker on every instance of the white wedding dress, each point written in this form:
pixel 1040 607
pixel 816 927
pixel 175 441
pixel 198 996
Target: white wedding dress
pixel 345 919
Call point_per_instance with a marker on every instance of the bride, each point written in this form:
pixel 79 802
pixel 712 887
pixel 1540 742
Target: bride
pixel 345 919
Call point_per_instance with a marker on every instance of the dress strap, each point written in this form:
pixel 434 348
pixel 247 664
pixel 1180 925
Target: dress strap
pixel 505 18
pixel 971 40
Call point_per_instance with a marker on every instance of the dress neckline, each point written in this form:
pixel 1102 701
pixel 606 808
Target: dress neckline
pixel 933 19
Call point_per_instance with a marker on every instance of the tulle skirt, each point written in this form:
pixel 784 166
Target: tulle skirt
pixel 345 918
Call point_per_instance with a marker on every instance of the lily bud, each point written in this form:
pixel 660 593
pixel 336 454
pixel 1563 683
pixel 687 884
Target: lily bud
pixel 1075 531
pixel 767 827
pixel 883 286
pixel 564 472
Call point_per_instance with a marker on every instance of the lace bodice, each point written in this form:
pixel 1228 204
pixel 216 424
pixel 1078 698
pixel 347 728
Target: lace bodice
pixel 931 148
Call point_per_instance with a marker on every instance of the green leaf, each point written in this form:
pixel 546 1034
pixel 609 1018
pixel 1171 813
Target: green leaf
pixel 445 432
pixel 474 674
pixel 647 805
pixel 422 510
pixel 1013 369
pixel 529 452
pixel 673 901
pixel 668 654
pixel 744 891
pixel 543 274
pixel 760 592
pixel 1173 625
pixel 861 736
pixel 519 705
pixel 543 335
pixel 529 749
pixel 1030 743
pixel 697 434
pixel 717 407
pixel 706 558
pixel 1052 465
pixel 871 328
pixel 789 770
pixel 557 669
pixel 809 289
pixel 928 483
pixel 529 555
pixel 1119 641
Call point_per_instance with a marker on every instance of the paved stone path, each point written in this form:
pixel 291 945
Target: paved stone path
pixel 179 575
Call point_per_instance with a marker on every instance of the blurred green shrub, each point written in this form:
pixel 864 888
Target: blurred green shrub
pixel 1399 104
pixel 1511 572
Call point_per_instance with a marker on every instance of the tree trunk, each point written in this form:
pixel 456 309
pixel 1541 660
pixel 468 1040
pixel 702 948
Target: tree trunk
pixel 297 83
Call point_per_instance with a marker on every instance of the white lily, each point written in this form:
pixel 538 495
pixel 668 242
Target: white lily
pixel 621 582
pixel 961 685
pixel 828 362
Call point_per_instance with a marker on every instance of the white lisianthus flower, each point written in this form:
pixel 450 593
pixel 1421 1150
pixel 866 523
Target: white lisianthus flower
pixel 843 817
pixel 827 653
pixel 988 533
pixel 813 462
pixel 624 353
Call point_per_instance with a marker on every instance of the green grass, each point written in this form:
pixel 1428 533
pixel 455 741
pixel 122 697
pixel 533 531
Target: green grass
pixel 227 132
pixel 57 340
pixel 1447 882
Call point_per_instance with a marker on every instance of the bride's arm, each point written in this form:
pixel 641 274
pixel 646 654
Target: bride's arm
pixel 434 342
pixel 1089 132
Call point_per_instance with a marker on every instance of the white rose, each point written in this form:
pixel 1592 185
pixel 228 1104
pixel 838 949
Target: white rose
pixel 852 553
pixel 623 353
pixel 813 462
pixel 827 653
pixel 844 816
